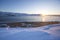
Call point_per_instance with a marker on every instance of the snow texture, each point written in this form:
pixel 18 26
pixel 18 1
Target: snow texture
pixel 49 32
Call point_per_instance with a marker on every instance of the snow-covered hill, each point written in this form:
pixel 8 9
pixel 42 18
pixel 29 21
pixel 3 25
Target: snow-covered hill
pixel 49 32
pixel 17 14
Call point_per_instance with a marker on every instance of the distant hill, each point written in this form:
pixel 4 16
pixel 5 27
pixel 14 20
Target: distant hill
pixel 16 14
pixel 52 15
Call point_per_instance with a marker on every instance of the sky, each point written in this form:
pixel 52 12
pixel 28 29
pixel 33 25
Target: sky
pixel 31 6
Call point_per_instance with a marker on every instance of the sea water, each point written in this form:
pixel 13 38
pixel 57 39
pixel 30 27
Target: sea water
pixel 29 19
pixel 21 19
pixel 51 18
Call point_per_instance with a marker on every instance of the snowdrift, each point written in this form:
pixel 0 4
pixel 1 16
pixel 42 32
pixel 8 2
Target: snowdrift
pixel 49 32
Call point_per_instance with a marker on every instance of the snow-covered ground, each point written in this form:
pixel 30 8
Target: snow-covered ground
pixel 49 32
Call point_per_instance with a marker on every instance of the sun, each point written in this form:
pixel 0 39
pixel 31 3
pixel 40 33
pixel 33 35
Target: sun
pixel 44 12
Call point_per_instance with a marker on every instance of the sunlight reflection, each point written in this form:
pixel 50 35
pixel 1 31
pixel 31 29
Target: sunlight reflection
pixel 43 18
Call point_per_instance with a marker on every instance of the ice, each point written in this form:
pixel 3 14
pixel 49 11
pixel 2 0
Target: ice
pixel 49 32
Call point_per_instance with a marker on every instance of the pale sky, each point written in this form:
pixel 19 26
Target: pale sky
pixel 31 6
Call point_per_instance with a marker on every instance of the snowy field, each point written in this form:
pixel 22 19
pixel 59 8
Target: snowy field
pixel 49 32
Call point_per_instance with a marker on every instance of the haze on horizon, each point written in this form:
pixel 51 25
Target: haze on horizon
pixel 48 7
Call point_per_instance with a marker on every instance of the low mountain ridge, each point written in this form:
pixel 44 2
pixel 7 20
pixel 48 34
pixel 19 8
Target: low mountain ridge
pixel 17 14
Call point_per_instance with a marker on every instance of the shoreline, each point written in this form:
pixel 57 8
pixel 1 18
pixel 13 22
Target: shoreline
pixel 27 24
pixel 33 24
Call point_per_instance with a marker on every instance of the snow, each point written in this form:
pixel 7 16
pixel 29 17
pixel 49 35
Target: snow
pixel 49 32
